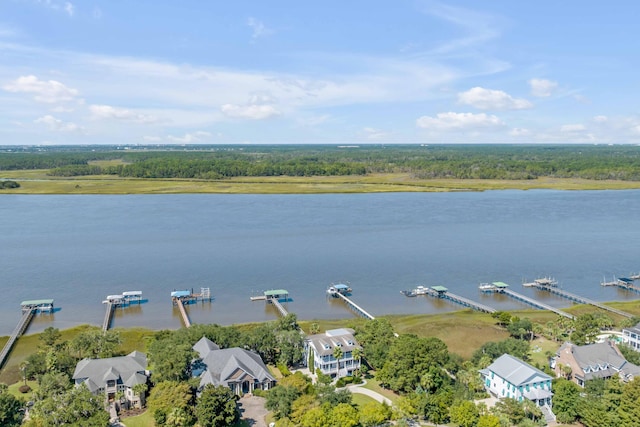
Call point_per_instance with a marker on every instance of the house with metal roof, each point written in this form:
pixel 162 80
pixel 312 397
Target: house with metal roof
pixel 241 370
pixel 510 377
pixel 322 347
pixel 114 374
pixel 581 363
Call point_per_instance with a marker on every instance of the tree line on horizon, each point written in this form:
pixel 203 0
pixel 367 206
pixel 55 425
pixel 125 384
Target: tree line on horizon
pixel 512 162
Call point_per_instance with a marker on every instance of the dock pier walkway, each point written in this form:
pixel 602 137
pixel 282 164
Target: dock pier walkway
pixel 501 287
pixel 582 300
pixel 442 292
pixel 29 309
pixel 353 306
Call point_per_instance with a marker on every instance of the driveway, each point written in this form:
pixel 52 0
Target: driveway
pixel 252 410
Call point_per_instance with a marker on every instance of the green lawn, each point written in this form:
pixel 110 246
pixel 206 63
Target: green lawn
pixel 361 399
pixel 143 420
pixel 374 385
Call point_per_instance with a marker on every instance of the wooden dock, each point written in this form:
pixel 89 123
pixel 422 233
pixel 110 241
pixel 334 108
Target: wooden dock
pixel 183 313
pixel 121 300
pixel 108 315
pixel 442 292
pixel 274 296
pixel 29 309
pixel 283 312
pixel 581 300
pixel 354 307
pixel 623 283
pixel 535 303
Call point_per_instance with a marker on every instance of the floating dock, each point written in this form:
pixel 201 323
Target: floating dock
pixel 121 300
pixel 29 309
pixel 503 288
pixel 352 305
pixel 625 283
pixel 442 292
pixel 274 296
pixel 581 300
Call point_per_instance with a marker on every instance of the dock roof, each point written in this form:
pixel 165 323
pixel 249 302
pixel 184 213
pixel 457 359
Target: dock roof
pixel 500 285
pixel 439 288
pixel 274 292
pixel 37 302
pixel 341 286
pixel 180 294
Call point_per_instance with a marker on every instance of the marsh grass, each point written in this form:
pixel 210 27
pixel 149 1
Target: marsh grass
pixel 38 182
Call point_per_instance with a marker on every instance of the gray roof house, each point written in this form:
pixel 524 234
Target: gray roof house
pixel 581 363
pixel 510 377
pixel 322 347
pixel 114 374
pixel 241 370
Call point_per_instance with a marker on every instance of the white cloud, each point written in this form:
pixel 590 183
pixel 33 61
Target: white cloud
pixel 67 7
pixel 47 91
pixel 600 119
pixel 374 134
pixel 489 99
pixel 149 138
pixel 572 128
pixel 251 111
pixel 459 121
pixel 542 88
pixel 109 112
pixel 259 29
pixel 56 124
pixel 189 138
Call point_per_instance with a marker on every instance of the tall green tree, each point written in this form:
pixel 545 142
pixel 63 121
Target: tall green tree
pixel 216 407
pixel 566 399
pixel 167 396
pixel 464 414
pixel 10 410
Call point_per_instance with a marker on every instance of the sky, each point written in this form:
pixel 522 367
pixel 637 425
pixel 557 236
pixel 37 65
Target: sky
pixel 331 72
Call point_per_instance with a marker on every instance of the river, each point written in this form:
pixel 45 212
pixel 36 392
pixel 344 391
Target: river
pixel 79 249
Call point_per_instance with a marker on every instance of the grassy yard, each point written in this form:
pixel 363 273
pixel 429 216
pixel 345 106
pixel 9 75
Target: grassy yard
pixel 361 399
pixel 374 385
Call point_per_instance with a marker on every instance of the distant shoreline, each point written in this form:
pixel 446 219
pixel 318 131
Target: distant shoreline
pixel 38 182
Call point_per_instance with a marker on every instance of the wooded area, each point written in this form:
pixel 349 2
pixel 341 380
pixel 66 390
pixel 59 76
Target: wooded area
pixel 508 162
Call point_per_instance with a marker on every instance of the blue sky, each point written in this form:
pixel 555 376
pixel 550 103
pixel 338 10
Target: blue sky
pixel 214 72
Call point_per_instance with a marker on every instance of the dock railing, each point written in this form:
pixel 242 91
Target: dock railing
pixel 27 315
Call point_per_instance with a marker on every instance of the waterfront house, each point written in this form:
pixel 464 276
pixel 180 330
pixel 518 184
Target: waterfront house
pixel 581 363
pixel 510 377
pixel 241 370
pixel 112 375
pixel 321 347
pixel 631 337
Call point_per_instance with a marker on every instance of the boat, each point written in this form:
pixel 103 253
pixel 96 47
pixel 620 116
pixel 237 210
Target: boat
pixel 418 290
pixel 421 290
pixel 486 287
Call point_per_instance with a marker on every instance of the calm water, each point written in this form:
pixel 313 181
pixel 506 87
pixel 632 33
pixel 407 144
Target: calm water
pixel 79 249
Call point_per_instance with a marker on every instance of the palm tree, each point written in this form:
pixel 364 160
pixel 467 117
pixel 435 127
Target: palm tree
pixel 357 356
pixel 337 353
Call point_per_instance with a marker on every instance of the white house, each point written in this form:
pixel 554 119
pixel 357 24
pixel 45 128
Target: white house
pixel 631 337
pixel 510 377
pixel 322 347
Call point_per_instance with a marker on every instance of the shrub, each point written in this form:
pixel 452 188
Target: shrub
pixel 24 389
pixel 283 369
